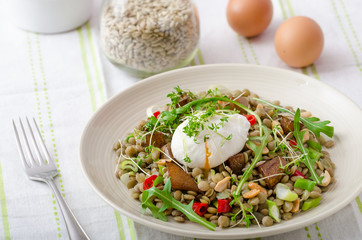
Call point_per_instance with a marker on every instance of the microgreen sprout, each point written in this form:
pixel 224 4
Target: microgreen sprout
pixel 270 176
pixel 134 160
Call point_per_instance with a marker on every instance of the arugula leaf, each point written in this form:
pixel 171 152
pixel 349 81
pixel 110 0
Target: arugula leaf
pixel 154 210
pixel 316 126
pixel 258 150
pixel 307 158
pixel 314 145
pixel 169 201
pixel 313 124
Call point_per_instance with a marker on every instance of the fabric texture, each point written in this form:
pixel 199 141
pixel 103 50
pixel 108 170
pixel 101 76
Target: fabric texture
pixel 61 79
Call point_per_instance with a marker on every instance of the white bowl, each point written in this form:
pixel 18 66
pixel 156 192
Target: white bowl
pixel 120 114
pixel 49 16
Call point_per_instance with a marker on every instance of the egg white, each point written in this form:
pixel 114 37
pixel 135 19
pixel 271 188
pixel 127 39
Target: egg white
pixel 182 145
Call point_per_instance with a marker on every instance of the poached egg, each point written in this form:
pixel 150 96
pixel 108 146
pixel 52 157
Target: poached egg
pixel 216 149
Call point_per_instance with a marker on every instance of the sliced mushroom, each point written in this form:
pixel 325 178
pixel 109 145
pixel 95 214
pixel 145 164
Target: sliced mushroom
pixel 166 151
pixel 287 124
pixel 180 180
pixel 270 168
pixel 243 101
pixel 158 139
pixel 237 163
pixel 184 100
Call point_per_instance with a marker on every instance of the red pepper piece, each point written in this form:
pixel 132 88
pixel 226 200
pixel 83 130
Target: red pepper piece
pixel 251 118
pixel 148 183
pixel 292 143
pixel 223 205
pixel 199 208
pixel 298 173
pixel 155 114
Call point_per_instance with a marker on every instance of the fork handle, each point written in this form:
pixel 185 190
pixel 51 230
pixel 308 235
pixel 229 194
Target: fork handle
pixel 75 230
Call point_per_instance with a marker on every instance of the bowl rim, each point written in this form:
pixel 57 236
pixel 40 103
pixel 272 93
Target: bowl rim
pixel 265 231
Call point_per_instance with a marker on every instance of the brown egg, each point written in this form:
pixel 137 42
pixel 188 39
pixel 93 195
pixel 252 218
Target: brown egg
pixel 249 17
pixel 299 41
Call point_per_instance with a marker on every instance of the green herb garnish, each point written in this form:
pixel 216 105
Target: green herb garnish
pixel 307 158
pixel 313 124
pixel 146 203
pixel 258 150
pixel 168 202
pixel 187 159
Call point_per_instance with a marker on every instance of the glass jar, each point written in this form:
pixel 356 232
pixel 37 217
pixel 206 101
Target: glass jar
pixel 149 36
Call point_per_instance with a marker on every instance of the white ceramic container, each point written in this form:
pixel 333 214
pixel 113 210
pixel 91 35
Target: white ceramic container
pixel 49 16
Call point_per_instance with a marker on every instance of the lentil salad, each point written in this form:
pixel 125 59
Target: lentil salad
pixel 280 171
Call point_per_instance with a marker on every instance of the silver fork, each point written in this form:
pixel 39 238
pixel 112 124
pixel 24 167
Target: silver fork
pixel 42 168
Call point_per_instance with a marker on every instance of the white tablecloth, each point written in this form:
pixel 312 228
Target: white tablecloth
pixel 62 79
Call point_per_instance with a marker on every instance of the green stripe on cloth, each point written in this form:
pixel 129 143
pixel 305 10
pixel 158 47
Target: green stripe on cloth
pixel 346 36
pixel 240 40
pixel 250 45
pixel 319 234
pixel 290 8
pixel 314 71
pixel 100 90
pixel 201 58
pixel 359 204
pixel 252 52
pixel 304 70
pixel 4 210
pixel 95 63
pixel 283 10
pixel 120 225
pixel 131 229
pixel 192 63
pixel 48 110
pixel 86 69
pixel 350 25
pixel 307 230
pixel 41 124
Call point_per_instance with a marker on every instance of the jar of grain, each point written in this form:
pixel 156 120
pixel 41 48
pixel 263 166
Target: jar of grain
pixel 149 36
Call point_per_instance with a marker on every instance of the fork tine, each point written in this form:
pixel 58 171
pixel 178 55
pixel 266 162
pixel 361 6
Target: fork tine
pixel 20 149
pixel 27 146
pixel 45 150
pixel 37 152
